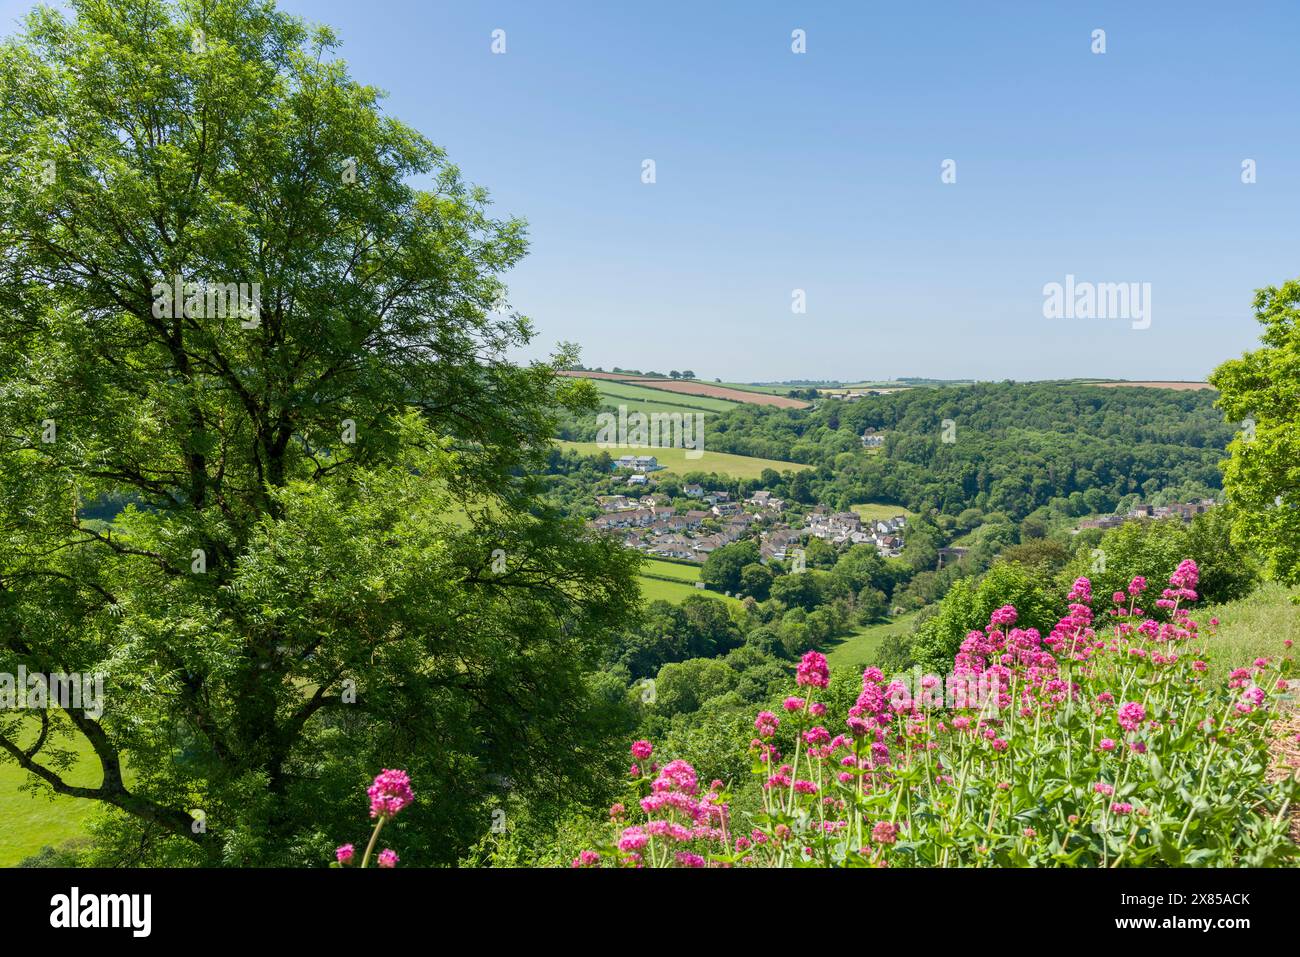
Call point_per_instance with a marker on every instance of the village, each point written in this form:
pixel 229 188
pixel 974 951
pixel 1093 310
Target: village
pixel 664 528
pixel 1182 510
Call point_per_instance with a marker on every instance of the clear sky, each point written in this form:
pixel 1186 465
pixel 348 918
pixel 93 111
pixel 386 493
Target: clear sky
pixel 820 171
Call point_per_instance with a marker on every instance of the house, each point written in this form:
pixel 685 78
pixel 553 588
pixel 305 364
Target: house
pixel 695 516
pixel 704 546
pixel 673 547
pixel 638 463
pixel 693 490
pixel 614 503
pixel 629 518
pixel 760 498
pixel 637 480
pixel 726 508
pixel 776 545
pixel 713 498
pixel 871 439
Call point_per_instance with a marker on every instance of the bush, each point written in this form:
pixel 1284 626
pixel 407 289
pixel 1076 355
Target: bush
pixel 1150 548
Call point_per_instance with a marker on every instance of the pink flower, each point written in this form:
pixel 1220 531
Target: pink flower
pixel 1186 575
pixel 586 859
pixel 642 750
pixel 793 704
pixel 632 839
pixel 690 860
pixel 1006 615
pixel 1101 787
pixel 1106 744
pixel 390 793
pixel 884 832
pixel 817 735
pixel 345 853
pixel 388 857
pixel 1131 715
pixel 813 670
pixel 1137 586
pixel 766 724
pixel 1121 807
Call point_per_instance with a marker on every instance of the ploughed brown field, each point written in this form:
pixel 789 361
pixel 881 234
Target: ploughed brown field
pixel 1178 386
pixel 689 387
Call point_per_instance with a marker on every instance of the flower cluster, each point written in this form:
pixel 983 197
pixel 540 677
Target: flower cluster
pixel 389 794
pixel 1101 744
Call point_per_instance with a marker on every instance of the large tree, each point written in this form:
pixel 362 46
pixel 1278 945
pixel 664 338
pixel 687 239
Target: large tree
pixel 318 550
pixel 1260 393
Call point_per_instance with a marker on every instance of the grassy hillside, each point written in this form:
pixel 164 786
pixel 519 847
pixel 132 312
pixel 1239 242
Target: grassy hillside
pixel 858 649
pixel 638 398
pixel 871 511
pixel 1251 628
pixel 656 589
pixel 655 568
pixel 675 460
pixel 30 821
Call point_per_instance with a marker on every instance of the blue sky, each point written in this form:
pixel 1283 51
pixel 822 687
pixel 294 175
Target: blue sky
pixel 821 172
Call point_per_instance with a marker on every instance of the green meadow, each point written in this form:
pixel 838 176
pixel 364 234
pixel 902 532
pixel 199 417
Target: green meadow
pixel 676 462
pixel 873 511
pixel 858 649
pixel 32 820
pixel 642 399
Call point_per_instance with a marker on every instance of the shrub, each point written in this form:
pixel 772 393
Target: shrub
pixel 1101 744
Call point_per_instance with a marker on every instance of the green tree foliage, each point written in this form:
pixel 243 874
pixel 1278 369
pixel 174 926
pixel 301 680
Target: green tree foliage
pixel 756 580
pixel 1260 394
pixel 722 569
pixel 1152 548
pixel 799 590
pixel 328 565
pixel 967 607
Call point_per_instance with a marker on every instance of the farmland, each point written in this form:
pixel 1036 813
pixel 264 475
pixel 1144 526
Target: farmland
pixel 656 589
pixel 873 511
pixel 640 398
pixel 695 388
pixel 1176 386
pixel 655 568
pixel 676 462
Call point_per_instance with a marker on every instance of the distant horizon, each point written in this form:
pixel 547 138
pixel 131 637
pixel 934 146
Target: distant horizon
pixel 796 382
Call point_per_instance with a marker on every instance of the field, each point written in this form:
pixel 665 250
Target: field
pixel 750 387
pixel 29 822
pixel 676 462
pixel 656 589
pixel 640 399
pixel 1176 386
pixel 858 649
pixel 873 511
pixel 655 568
pixel 695 388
